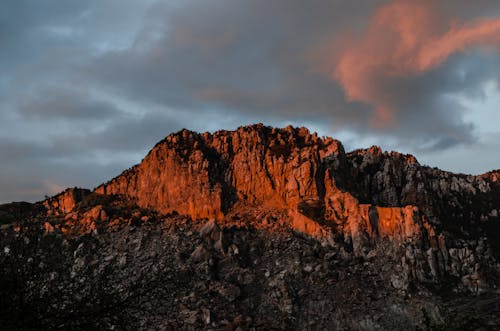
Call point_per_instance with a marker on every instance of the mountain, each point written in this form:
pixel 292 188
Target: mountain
pixel 258 228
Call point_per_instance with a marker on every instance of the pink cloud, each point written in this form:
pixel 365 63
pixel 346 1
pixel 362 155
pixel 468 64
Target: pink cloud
pixel 405 38
pixel 480 33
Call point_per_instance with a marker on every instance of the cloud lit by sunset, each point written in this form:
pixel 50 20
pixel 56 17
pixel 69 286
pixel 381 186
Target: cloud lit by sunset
pixel 406 38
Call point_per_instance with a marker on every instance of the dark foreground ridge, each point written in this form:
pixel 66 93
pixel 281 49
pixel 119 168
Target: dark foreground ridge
pixel 258 229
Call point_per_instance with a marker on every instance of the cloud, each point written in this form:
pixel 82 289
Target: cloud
pixel 276 61
pixel 484 159
pixel 245 57
pixel 63 103
pixel 458 39
pixel 88 87
pixel 407 38
pixel 32 169
pixel 128 134
pixel 399 67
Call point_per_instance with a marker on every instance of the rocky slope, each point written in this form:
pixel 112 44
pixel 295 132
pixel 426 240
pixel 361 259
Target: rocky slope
pixel 259 228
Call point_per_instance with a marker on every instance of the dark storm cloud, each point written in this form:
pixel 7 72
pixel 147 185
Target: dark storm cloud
pixel 428 116
pixel 28 28
pixel 21 151
pixel 242 56
pixel 278 59
pixel 26 170
pixel 31 169
pixel 90 86
pixel 465 9
pixel 27 183
pixel 129 134
pixel 60 103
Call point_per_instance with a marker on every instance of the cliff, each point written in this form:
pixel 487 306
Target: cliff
pixel 213 225
pixel 207 175
pixel 358 198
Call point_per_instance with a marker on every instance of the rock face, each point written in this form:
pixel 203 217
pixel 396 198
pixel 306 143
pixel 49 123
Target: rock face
pixel 204 175
pixel 358 198
pixel 365 193
pixel 65 201
pixel 262 217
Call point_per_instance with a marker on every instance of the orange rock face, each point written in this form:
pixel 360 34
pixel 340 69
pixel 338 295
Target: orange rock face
pixel 365 202
pixel 367 195
pixel 364 223
pixel 173 180
pixel 204 175
pixel 65 201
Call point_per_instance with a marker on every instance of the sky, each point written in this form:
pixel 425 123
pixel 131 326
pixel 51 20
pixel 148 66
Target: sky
pixel 88 87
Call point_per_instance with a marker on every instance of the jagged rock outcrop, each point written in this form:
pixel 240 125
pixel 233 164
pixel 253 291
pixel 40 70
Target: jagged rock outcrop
pixel 413 233
pixel 360 198
pixel 203 175
pixel 110 265
pixel 65 201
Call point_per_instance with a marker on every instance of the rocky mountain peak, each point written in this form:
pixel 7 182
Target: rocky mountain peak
pixel 213 226
pixel 208 173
